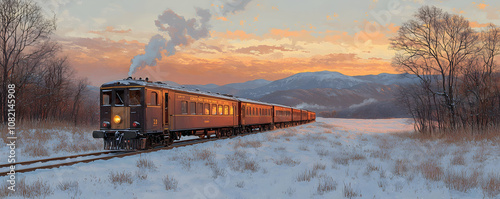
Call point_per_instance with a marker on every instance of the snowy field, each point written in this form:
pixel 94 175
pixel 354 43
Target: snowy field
pixel 331 158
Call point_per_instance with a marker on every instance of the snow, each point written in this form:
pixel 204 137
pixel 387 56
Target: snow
pixel 356 154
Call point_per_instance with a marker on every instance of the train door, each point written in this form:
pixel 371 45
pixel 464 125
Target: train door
pixel 165 111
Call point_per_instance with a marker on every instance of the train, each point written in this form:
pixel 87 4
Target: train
pixel 138 114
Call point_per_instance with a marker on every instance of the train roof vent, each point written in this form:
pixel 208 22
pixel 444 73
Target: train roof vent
pixel 217 93
pixel 227 95
pixel 197 89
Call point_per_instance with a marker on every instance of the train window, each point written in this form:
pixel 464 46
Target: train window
pixel 207 109
pixel 106 98
pixel 184 107
pixel 153 100
pixel 249 112
pixel 231 110
pixel 119 98
pixel 214 109
pixel 135 97
pixel 192 108
pixel 254 112
pixel 220 110
pixel 199 109
pixel 226 110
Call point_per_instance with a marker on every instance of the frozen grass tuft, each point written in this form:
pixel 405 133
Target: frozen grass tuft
pixel 170 183
pixel 307 175
pixel 120 178
pixel 326 184
pixel 491 185
pixel 401 167
pixel 287 161
pixel 37 189
pixel 248 143
pixel 239 161
pixel 458 160
pixel 431 170
pixel 349 191
pixel 240 184
pixel 145 163
pixel 319 166
pixel 461 181
pixel 141 174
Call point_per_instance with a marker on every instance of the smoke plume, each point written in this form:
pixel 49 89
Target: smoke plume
pixel 180 31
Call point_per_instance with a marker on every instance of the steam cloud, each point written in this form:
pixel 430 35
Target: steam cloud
pixel 180 31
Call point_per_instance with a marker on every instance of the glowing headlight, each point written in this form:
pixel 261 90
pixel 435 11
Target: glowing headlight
pixel 117 119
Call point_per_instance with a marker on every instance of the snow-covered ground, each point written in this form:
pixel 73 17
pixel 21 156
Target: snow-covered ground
pixel 331 158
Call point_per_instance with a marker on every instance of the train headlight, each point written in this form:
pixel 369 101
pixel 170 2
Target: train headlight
pixel 117 119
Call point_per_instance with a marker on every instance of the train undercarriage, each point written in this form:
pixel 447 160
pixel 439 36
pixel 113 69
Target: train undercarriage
pixel 134 140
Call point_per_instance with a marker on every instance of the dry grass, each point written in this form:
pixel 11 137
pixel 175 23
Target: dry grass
pixel 239 161
pixel 141 174
pixel 458 159
pixel 120 178
pixel 461 181
pixel 204 154
pixel 349 192
pixel 67 138
pixel 345 157
pixel 431 170
pixel 318 166
pixel 37 189
pixel 303 148
pixel 491 185
pixel 401 167
pixel 322 152
pixel 144 163
pixel 456 135
pixel 170 183
pixel 307 175
pixel 286 161
pixel 248 143
pixel 326 184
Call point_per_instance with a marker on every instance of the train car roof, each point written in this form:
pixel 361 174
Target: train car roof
pixel 143 83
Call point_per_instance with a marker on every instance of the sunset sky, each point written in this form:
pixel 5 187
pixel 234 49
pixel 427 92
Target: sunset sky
pixel 241 40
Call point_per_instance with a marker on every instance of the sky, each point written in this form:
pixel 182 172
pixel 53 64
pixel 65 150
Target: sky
pixel 229 41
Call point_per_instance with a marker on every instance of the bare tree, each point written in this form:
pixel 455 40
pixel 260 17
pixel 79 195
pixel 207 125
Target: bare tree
pixel 435 46
pixel 456 66
pixel 24 33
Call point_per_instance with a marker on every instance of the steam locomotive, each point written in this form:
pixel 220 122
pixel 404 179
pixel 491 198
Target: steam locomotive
pixel 140 114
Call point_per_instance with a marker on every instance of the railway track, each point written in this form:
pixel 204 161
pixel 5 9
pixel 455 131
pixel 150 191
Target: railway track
pixel 177 144
pixel 122 154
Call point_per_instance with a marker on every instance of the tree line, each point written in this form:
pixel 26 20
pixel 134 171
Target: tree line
pixel 455 63
pixel 46 87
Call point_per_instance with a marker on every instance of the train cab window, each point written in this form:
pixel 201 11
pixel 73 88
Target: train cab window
pixel 220 110
pixel 199 109
pixel 231 110
pixel 153 101
pixel 184 107
pixel 135 97
pixel 214 109
pixel 226 110
pixel 119 97
pixel 207 109
pixel 106 98
pixel 192 108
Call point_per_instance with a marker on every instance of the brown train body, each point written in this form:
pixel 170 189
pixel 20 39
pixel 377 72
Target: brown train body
pixel 138 114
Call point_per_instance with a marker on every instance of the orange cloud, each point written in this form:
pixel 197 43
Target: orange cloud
pixel 222 18
pixel 110 29
pixel 475 24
